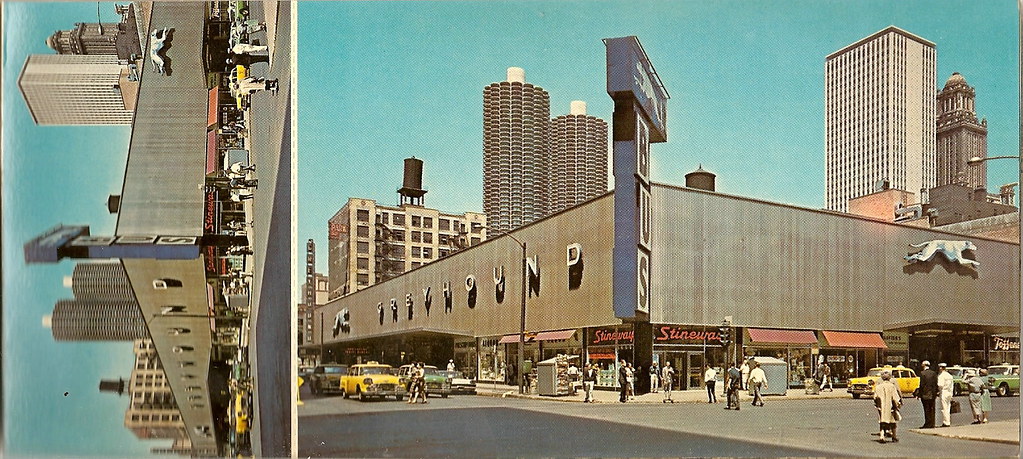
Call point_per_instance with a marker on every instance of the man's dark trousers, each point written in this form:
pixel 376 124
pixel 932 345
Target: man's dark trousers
pixel 928 392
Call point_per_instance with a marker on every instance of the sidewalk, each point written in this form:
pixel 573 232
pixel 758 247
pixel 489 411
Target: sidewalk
pixel 683 396
pixel 997 431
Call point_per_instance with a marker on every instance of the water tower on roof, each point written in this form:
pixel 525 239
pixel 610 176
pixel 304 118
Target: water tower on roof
pixel 411 191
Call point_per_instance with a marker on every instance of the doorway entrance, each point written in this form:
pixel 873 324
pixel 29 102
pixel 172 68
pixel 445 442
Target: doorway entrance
pixel 693 378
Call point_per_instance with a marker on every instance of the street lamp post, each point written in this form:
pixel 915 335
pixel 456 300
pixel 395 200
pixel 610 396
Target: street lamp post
pixel 522 318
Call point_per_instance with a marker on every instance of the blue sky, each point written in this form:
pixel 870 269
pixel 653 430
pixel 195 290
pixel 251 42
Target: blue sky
pixel 390 80
pixel 55 175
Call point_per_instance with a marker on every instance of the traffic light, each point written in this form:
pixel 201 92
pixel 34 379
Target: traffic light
pixel 726 334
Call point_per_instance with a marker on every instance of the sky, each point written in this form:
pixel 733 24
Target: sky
pixel 55 175
pixel 391 80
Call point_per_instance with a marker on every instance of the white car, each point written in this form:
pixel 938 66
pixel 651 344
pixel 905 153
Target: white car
pixel 459 383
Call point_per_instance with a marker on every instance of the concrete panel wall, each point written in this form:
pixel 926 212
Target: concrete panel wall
pixel 772 265
pixel 556 307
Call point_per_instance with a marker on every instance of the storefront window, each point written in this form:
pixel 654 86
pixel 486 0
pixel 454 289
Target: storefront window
pixel 1004 350
pixel 689 349
pixel 491 360
pixel 605 347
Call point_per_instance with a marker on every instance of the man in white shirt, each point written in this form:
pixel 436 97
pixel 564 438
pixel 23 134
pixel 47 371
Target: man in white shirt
pixel 745 374
pixel 709 379
pixel 945 389
pixel 757 382
pixel 451 365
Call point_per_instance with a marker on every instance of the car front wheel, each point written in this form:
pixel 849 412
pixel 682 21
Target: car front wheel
pixel 1003 390
pixel 856 395
pixel 361 394
pixel 344 393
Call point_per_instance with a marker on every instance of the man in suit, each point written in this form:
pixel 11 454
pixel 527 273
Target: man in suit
pixel 623 380
pixel 928 391
pixel 589 380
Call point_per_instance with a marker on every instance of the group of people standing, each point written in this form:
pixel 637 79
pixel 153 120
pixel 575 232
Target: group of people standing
pixel 941 386
pixel 417 384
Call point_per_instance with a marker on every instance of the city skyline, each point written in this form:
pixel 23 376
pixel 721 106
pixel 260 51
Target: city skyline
pixel 746 83
pixel 68 171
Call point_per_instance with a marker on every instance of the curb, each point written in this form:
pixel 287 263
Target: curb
pixel 965 436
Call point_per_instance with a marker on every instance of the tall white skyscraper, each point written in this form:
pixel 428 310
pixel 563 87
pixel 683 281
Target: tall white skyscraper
pixel 879 116
pixel 70 89
pixel 578 158
pixel 516 152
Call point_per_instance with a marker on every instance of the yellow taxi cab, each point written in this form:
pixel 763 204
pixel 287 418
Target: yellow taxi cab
pixel 905 378
pixel 239 73
pixel 371 379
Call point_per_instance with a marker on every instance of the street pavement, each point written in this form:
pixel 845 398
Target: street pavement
pixel 505 424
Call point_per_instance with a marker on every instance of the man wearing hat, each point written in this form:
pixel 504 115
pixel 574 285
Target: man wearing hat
pixel 928 391
pixel 945 385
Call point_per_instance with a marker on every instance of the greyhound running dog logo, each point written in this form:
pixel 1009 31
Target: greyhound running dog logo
pixel 952 250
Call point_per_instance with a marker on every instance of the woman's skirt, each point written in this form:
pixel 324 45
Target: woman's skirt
pixel 985 400
pixel 975 401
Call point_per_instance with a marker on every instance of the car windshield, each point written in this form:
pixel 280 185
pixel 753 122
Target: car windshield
pixel 874 372
pixel 333 370
pixel 998 371
pixel 432 371
pixel 376 370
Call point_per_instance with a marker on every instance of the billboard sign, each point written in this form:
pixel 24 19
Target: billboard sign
pixel 639 119
pixel 46 248
pixel 76 242
pixel 630 75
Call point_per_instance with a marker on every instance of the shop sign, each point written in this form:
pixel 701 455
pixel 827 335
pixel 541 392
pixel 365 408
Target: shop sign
pixel 836 359
pixel 1005 344
pixel 610 335
pixel 896 341
pixel 602 356
pixel 470 344
pixel 489 342
pixel 357 351
pixel 672 334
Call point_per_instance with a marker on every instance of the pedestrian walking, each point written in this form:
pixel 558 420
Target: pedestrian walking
pixel 589 380
pixel 710 379
pixel 668 376
pixel 631 378
pixel 826 378
pixel 757 383
pixel 623 380
pixel 654 371
pixel 733 384
pixel 928 392
pixel 745 375
pixel 945 385
pixel 888 400
pixel 978 385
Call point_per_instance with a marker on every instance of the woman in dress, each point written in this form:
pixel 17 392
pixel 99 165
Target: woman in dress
pixel 888 400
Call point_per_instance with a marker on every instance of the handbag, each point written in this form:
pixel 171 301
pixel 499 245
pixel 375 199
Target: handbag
pixel 956 407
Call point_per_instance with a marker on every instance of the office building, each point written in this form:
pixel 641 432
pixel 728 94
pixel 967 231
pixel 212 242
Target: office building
pixel 879 116
pixel 369 243
pixel 960 136
pixel 120 39
pixel 578 157
pixel 152 409
pixel 516 152
pixel 69 89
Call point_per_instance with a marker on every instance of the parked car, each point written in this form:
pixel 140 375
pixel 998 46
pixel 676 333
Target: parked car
pixel 371 379
pixel 459 383
pixel 327 378
pixel 1004 379
pixel 905 378
pixel 959 377
pixel 436 382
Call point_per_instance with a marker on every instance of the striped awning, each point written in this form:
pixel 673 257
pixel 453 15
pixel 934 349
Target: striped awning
pixel 854 339
pixel 772 335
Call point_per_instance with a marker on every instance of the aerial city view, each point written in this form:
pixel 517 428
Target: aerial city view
pixel 517 228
